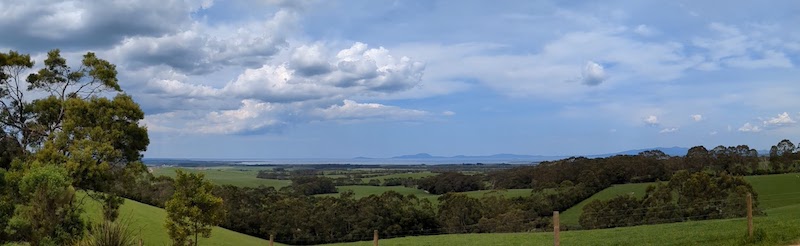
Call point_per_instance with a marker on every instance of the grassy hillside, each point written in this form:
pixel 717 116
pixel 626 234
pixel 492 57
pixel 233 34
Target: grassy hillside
pixel 148 223
pixel 774 191
pixel 237 176
pixel 781 226
pixel 777 190
pixel 570 217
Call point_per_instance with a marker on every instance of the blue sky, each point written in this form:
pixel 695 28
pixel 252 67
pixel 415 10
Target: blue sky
pixel 339 79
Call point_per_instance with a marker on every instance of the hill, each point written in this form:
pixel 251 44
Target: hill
pixel 777 195
pixel 780 225
pixel 673 151
pixel 148 223
pixel 774 191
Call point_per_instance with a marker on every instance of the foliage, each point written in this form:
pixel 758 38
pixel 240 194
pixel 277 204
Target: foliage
pixel 312 185
pixel 59 116
pixel 780 227
pixel 109 233
pixel 700 196
pixel 193 209
pixel 450 182
pixel 48 214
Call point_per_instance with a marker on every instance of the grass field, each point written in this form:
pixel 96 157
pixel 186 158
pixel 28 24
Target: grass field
pixel 777 190
pixel 147 222
pixel 571 215
pixel 781 226
pixel 774 191
pixel 237 176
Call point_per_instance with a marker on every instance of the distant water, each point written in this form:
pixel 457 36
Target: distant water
pixel 355 161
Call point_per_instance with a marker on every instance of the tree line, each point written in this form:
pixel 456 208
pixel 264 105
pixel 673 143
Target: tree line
pixel 695 196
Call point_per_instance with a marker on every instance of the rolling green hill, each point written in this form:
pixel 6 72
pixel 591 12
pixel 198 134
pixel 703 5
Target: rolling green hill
pixel 774 191
pixel 781 226
pixel 148 223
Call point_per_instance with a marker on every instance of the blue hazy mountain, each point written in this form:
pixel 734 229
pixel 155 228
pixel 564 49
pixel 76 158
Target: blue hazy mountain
pixel 673 151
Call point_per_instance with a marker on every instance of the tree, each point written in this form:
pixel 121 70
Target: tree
pixel 65 121
pixel 49 214
pixel 458 213
pixel 781 155
pixel 193 209
pixel 696 158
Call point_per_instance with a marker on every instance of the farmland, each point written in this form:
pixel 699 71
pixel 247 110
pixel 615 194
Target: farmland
pixel 777 195
pixel 227 175
pixel 779 225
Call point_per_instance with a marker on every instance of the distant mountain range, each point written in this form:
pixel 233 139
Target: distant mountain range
pixel 673 151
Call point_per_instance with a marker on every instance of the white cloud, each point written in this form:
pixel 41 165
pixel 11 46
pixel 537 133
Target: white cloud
pixel 697 117
pixel 644 30
pixel 202 49
pixel 669 130
pixel 46 24
pixel 779 121
pixel 355 71
pixel 651 120
pixel 751 49
pixel 253 116
pixel 448 113
pixel 593 74
pixel 747 127
pixel 352 110
pixel 712 133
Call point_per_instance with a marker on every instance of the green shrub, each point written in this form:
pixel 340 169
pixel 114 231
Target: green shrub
pixel 110 234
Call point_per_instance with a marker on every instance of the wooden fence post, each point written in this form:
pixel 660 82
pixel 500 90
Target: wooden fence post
pixel 556 229
pixel 750 215
pixel 375 238
pixel 140 242
pixel 271 240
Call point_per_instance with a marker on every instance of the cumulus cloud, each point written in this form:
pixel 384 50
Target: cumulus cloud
pixel 697 117
pixel 669 130
pixel 448 113
pixel 202 49
pixel 257 117
pixel 779 121
pixel 357 70
pixel 253 116
pixel 42 25
pixel 352 110
pixel 651 120
pixel 310 60
pixel 593 74
pixel 747 127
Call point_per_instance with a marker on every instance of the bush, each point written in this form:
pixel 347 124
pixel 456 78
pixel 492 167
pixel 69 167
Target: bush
pixel 109 234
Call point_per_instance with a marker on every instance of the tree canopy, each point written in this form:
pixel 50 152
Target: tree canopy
pixel 64 128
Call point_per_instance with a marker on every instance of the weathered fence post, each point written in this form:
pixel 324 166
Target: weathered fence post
pixel 375 238
pixel 271 240
pixel 140 242
pixel 556 229
pixel 750 215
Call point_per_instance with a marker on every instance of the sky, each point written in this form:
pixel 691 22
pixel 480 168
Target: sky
pixel 341 79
